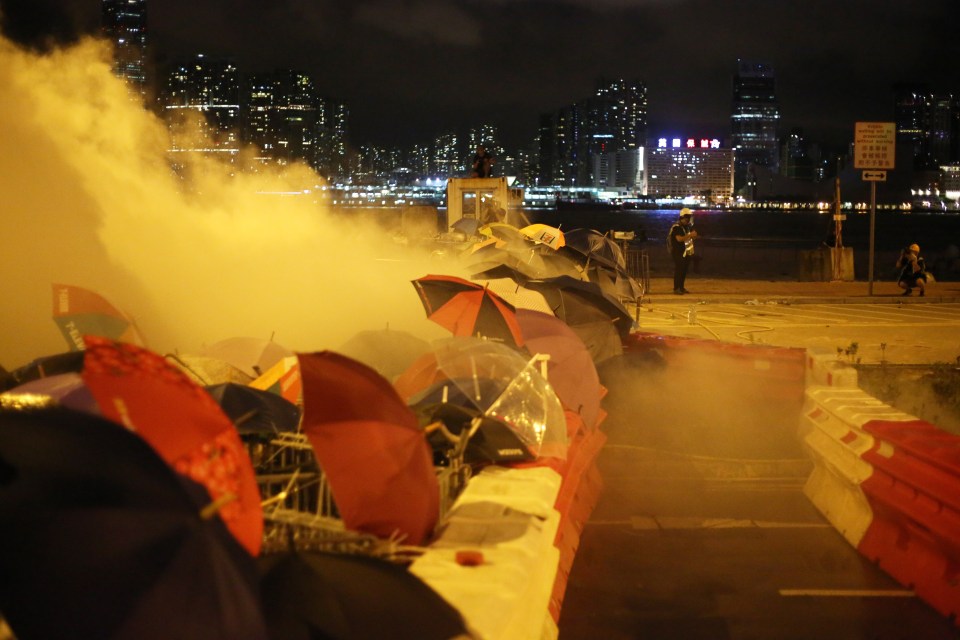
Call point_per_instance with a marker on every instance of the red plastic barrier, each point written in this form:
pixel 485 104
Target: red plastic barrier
pixel 774 372
pixel 914 493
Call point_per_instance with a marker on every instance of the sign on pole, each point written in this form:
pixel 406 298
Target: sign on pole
pixel 874 145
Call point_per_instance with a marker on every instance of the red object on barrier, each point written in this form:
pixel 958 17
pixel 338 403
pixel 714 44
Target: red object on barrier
pixel 914 493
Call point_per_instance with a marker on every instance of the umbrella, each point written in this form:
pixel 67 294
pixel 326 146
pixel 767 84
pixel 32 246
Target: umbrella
pixel 526 258
pixel 282 379
pixel 570 370
pixel 71 361
pixel 78 312
pixel 205 370
pixel 371 448
pixel 388 351
pixel 466 308
pixel 593 246
pixel 251 355
pixel 544 234
pixel 577 302
pixel 493 440
pixel 66 389
pixel 517 295
pixel 502 230
pixel 615 282
pixel 140 390
pixel 255 411
pixel 100 538
pixel 350 597
pixel 500 383
pixel 466 226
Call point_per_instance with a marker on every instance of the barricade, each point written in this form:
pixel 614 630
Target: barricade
pixel 888 481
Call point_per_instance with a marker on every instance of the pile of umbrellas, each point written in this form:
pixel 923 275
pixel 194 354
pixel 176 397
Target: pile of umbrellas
pixel 143 481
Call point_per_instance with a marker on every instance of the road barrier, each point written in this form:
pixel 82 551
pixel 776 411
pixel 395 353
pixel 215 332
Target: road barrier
pixel 887 481
pixel 504 553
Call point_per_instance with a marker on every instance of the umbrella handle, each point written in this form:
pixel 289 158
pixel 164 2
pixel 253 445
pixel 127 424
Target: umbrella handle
pixel 214 507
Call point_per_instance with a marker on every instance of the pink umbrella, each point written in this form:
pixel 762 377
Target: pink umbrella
pixel 570 370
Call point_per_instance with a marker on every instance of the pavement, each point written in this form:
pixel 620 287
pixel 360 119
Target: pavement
pixel 878 327
pixel 781 290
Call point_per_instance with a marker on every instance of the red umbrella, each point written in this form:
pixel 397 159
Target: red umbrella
pixel 183 423
pixel 371 448
pixel 468 309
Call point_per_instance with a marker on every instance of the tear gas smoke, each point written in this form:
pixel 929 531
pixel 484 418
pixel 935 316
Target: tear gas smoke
pixel 88 198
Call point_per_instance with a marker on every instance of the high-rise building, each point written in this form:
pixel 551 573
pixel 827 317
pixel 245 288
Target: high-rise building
pixel 447 160
pixel 124 24
pixel 613 119
pixel 756 116
pixel 698 168
pixel 795 157
pixel 928 123
pixel 201 102
pixel 280 117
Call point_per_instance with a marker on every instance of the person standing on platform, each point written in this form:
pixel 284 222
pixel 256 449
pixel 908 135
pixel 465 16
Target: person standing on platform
pixel 680 242
pixel 482 163
pixel 913 270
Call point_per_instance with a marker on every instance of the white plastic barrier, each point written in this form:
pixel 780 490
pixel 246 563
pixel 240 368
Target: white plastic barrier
pixel 824 368
pixel 508 517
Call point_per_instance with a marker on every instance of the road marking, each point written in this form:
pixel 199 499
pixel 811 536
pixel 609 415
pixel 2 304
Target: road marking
pixel 847 593
pixel 673 523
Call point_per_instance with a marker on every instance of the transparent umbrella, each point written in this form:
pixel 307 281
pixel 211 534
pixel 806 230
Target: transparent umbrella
pixel 503 384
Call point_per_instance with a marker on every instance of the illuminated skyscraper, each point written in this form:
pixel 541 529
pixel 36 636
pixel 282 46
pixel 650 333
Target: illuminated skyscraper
pixel 928 123
pixel 280 117
pixel 201 102
pixel 756 115
pixel 124 23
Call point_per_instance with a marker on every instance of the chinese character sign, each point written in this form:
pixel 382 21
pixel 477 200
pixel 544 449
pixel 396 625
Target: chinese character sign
pixel 874 145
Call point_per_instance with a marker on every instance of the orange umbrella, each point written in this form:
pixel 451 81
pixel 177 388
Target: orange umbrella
pixel 371 448
pixel 468 309
pixel 544 234
pixel 183 423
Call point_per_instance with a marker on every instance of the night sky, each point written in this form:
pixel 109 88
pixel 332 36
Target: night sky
pixel 411 68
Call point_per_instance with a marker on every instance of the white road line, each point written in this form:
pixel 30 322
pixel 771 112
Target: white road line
pixel 847 593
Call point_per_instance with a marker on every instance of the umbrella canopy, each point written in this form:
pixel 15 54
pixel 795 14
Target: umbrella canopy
pixel 255 412
pixel 140 390
pixel 570 370
pixel 349 597
pixel 526 258
pixel 468 309
pixel 71 361
pixel 253 356
pixel 78 312
pixel 466 226
pixel 371 448
pixel 205 370
pixel 501 230
pixel 544 234
pixel 99 538
pixel 577 302
pixel 282 379
pixel 615 282
pixel 500 383
pixel 517 295
pixel 592 247
pixel 387 351
pixel 493 441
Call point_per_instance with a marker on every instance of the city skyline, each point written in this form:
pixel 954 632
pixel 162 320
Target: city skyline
pixel 409 70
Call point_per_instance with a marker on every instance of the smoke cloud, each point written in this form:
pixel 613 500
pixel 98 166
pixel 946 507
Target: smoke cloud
pixel 89 199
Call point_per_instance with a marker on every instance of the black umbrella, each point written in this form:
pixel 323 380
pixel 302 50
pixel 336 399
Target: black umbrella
pixel 349 597
pixel 591 246
pixel 68 362
pixel 577 302
pixel 493 440
pixel 100 538
pixel 255 412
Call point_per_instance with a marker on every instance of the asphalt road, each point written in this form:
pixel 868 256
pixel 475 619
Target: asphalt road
pixel 702 530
